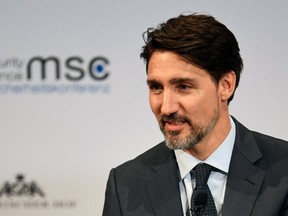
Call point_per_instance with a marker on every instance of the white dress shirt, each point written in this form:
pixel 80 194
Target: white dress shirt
pixel 219 159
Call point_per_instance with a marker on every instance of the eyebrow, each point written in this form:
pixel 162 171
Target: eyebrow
pixel 152 81
pixel 172 81
pixel 182 80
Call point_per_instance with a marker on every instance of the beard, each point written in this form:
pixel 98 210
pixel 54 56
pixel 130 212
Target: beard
pixel 197 132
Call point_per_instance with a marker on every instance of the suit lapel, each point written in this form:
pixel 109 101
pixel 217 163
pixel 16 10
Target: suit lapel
pixel 244 178
pixel 163 188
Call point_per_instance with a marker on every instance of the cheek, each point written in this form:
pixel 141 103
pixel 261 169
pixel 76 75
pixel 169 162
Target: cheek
pixel 154 104
pixel 198 108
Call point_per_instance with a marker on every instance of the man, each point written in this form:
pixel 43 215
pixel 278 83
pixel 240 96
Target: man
pixel 193 68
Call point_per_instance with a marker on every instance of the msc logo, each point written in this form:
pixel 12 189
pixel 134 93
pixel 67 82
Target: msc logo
pixel 20 188
pixel 74 68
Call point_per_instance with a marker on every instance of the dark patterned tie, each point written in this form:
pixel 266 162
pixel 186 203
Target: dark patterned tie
pixel 202 202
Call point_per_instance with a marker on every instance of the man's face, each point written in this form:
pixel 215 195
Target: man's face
pixel 184 99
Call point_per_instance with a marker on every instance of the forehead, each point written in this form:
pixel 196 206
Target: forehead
pixel 168 65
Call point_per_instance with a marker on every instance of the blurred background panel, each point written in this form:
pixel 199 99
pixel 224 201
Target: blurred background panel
pixel 74 100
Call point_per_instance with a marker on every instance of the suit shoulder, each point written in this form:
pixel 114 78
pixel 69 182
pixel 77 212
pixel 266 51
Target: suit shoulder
pixel 270 143
pixel 145 161
pixel 264 142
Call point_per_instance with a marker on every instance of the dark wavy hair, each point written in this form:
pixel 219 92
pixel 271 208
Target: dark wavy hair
pixel 198 39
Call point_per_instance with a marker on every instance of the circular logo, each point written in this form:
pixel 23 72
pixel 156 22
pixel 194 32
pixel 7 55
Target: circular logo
pixel 99 68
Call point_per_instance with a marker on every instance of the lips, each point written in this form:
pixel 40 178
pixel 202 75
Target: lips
pixel 173 122
pixel 174 125
pixel 176 122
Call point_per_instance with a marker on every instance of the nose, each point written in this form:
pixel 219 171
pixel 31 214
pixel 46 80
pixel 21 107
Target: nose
pixel 170 103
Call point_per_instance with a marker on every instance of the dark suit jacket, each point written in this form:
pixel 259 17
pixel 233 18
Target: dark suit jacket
pixel 257 182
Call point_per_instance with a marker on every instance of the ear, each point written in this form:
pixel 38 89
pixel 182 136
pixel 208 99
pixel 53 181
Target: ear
pixel 227 85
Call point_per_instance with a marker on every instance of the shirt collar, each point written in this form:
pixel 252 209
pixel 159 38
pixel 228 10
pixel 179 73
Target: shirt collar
pixel 219 159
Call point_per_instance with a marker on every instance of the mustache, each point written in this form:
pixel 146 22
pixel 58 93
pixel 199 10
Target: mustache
pixel 174 118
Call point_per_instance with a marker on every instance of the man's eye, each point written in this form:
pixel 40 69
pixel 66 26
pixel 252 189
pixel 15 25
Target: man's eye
pixel 183 87
pixel 155 88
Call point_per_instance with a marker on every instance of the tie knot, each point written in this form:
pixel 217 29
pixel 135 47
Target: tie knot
pixel 202 173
